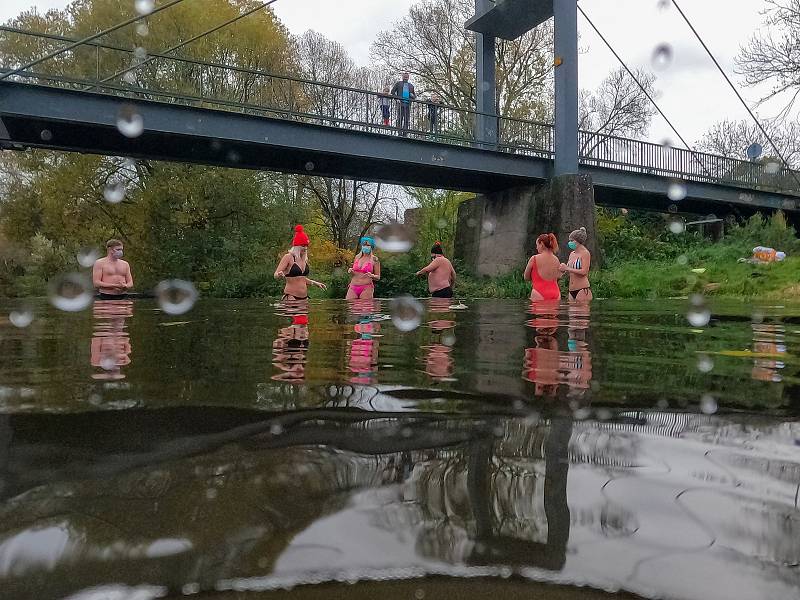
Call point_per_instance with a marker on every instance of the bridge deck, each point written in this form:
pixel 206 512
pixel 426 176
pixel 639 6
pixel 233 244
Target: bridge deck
pixel 80 121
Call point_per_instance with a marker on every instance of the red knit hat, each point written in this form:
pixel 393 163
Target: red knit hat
pixel 300 237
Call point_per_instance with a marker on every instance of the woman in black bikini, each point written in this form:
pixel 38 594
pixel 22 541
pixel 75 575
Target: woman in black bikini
pixel 580 260
pixel 294 268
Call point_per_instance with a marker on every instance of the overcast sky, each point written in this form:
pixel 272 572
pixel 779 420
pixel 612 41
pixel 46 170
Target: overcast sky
pixel 691 92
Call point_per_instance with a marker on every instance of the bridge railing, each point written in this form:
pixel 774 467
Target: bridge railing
pixel 126 72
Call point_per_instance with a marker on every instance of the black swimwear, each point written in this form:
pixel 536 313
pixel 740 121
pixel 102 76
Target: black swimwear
pixel 290 297
pixel 443 293
pixel 296 272
pixel 574 293
pixel 104 296
pixel 295 343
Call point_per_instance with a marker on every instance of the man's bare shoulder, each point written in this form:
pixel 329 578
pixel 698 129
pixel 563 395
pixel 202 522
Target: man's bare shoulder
pixel 101 261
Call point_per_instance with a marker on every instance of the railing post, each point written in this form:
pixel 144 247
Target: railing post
pixel 97 62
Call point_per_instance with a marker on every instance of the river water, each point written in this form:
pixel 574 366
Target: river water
pixel 409 451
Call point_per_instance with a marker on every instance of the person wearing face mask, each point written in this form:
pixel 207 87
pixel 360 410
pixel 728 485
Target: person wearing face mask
pixel 111 276
pixel 441 274
pixel 366 270
pixel 294 268
pixel 580 261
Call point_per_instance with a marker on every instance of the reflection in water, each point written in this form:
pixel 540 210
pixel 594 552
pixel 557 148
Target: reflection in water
pixel 644 501
pixel 438 353
pixel 290 350
pixel 111 347
pixel 362 351
pixel 545 365
pixel 770 341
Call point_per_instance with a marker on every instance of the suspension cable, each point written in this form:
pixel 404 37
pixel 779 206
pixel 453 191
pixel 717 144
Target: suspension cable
pixel 86 40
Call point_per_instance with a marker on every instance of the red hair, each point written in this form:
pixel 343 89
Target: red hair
pixel 549 241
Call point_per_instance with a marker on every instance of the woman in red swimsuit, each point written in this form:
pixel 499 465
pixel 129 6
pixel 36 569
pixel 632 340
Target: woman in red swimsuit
pixel 543 270
pixel 366 270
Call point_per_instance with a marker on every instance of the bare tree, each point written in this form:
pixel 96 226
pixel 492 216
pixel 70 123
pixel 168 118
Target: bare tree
pixel 731 139
pixel 618 108
pixel 774 56
pixel 349 208
pixel 433 46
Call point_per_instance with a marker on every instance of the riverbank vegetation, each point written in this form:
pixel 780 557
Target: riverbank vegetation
pixel 225 228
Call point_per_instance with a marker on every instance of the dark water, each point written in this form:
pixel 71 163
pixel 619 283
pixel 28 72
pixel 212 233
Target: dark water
pixel 244 448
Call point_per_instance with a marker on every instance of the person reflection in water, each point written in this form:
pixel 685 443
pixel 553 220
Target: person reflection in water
pixel 111 276
pixel 439 364
pixel 546 366
pixel 290 351
pixel 362 361
pixel 111 347
pixel 769 343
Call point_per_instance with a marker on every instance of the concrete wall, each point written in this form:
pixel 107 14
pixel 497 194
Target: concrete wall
pixel 496 233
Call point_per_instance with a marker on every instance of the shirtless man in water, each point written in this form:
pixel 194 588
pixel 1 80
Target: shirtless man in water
pixel 441 274
pixel 111 275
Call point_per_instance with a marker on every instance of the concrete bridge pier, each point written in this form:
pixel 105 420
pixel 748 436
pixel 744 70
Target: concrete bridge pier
pixel 496 233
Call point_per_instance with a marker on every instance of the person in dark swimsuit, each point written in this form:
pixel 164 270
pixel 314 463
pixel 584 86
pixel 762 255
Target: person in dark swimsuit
pixel 294 268
pixel 440 272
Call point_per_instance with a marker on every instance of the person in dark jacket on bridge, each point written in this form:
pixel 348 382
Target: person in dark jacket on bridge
pixel 404 91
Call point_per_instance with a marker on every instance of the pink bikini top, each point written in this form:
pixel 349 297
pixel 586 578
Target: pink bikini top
pixel 363 268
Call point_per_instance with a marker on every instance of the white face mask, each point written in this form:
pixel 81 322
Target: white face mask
pixel 117 253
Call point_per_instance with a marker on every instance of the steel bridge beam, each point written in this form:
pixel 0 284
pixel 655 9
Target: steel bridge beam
pixel 76 121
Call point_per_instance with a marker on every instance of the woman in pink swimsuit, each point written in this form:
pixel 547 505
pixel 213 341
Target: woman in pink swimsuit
pixel 366 270
pixel 543 270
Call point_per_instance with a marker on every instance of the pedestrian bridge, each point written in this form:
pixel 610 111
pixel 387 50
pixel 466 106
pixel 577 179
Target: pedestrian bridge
pixel 225 115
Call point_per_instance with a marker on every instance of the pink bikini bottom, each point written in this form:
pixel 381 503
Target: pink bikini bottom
pixel 359 289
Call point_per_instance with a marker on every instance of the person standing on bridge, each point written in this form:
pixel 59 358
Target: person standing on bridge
pixel 580 260
pixel 441 274
pixel 294 268
pixel 433 113
pixel 111 275
pixel 404 90
pixel 385 100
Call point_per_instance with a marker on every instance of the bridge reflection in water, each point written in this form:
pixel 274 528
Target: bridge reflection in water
pixel 645 501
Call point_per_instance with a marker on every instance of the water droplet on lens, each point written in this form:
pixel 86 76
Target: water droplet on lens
pixel 87 256
pixel 108 362
pixel 276 429
pixel 142 29
pixel 309 166
pixel 419 594
pixel 663 4
pixel 666 143
pixel 190 589
pixel 662 56
pixel 129 122
pixel 393 237
pixel 441 223
pixel 698 315
pixel 406 313
pixel 488 226
pixel 114 193
pixel 708 404
pixel 234 156
pixel 46 135
pixel 140 53
pixel 772 167
pixel 144 7
pixel 676 191
pixel 757 317
pixel 21 318
pixel 71 292
pixel 211 493
pixel 471 223
pixel 176 296
pixel 129 78
pixel 673 208
pixel 449 339
pixel 676 225
pixel 705 364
